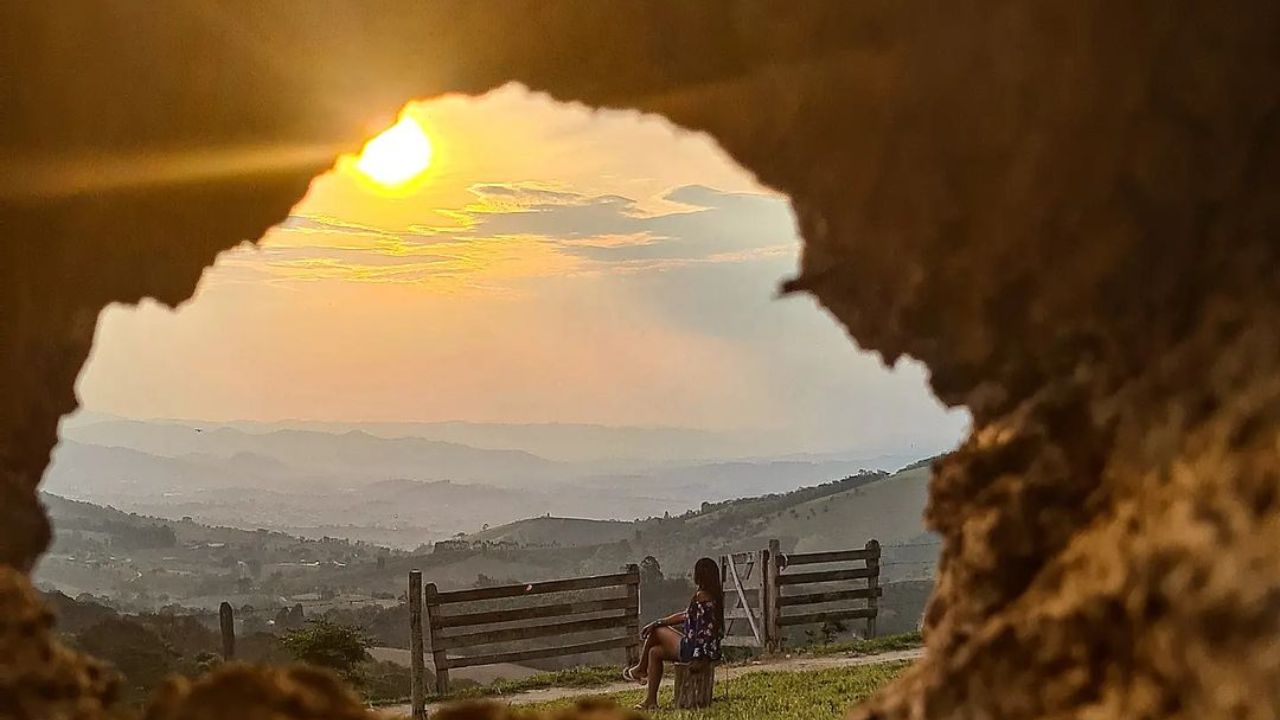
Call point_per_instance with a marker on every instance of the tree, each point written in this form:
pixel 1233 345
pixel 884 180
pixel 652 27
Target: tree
pixel 328 644
pixel 138 653
pixel 650 570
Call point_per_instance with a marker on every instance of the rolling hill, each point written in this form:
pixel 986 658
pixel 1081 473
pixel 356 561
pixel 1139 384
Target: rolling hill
pixel 557 532
pixel 835 515
pixel 889 510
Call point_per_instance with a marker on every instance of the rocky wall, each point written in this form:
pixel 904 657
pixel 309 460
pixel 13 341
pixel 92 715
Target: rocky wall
pixel 1069 210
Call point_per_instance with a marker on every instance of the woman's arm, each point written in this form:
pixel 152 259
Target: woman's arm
pixel 673 619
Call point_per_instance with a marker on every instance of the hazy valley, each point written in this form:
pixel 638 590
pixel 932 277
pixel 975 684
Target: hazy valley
pixel 409 490
pixel 158 524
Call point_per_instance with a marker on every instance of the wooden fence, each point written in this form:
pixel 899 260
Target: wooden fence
pixel 788 592
pixel 452 627
pixel 758 592
pixel 762 590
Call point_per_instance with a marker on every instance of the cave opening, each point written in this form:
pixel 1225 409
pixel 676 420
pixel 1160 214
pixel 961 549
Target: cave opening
pixel 504 307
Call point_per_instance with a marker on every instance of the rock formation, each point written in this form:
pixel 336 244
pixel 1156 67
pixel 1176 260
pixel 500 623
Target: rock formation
pixel 1069 210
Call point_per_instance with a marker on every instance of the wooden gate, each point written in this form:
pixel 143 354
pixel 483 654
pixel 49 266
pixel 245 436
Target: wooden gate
pixel 743 577
pixel 759 592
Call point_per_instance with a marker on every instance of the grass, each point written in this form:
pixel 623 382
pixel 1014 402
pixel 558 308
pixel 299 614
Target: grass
pixel 874 646
pixel 588 676
pixel 813 695
pixel 843 680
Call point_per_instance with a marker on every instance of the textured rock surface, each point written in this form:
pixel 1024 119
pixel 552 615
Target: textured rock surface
pixel 1069 210
pixel 39 677
pixel 258 693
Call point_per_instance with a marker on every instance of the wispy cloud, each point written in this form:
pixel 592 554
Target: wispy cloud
pixel 525 230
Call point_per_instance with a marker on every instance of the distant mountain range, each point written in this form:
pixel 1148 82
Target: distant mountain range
pixel 603 447
pixel 404 491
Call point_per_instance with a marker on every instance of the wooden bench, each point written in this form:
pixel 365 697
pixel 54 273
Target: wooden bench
pixel 695 684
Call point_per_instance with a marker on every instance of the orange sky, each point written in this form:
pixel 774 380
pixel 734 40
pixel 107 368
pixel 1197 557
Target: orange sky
pixel 555 264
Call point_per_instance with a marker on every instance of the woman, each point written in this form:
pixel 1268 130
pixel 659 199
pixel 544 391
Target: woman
pixel 701 627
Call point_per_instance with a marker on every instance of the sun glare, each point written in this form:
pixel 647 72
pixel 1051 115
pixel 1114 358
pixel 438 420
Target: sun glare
pixel 398 155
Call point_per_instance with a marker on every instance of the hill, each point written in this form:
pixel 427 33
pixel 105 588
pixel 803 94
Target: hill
pixel 838 514
pixel 890 510
pixel 556 532
pixel 146 562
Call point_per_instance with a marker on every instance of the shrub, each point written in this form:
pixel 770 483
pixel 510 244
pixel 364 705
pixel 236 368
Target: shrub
pixel 331 645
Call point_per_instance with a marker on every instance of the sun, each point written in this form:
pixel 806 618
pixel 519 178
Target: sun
pixel 398 155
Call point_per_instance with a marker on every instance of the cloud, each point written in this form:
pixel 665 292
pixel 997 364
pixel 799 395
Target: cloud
pixel 515 230
pixel 525 193
pixel 611 228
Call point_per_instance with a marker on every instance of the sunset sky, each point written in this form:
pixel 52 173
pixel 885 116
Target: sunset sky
pixel 553 264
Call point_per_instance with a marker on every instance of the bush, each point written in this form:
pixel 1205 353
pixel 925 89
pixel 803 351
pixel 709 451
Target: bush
pixel 383 681
pixel 331 645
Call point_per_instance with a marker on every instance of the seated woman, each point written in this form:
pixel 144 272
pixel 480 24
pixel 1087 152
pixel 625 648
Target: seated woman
pixel 701 628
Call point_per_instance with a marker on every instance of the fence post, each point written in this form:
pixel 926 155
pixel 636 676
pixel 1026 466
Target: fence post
pixel 773 593
pixel 633 609
pixel 417 693
pixel 766 626
pixel 873 584
pixel 227 619
pixel 438 656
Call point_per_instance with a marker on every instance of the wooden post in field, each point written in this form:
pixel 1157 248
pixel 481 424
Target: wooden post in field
pixel 417 693
pixel 438 656
pixel 766 602
pixel 774 593
pixel 633 612
pixel 873 584
pixel 227 618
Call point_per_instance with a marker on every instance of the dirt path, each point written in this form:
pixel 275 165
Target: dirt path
pixel 785 664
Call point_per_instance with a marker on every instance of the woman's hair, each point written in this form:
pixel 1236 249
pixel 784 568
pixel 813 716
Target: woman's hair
pixel 706 575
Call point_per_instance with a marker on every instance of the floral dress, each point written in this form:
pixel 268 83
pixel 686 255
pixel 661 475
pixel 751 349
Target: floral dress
pixel 701 639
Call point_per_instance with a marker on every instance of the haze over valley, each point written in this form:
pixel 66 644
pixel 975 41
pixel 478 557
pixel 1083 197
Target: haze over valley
pixel 404 485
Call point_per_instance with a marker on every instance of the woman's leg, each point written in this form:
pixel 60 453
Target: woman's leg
pixel 666 647
pixel 642 667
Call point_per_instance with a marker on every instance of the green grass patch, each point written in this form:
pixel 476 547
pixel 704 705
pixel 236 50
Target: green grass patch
pixel 874 646
pixel 765 695
pixel 577 677
pixel 584 677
